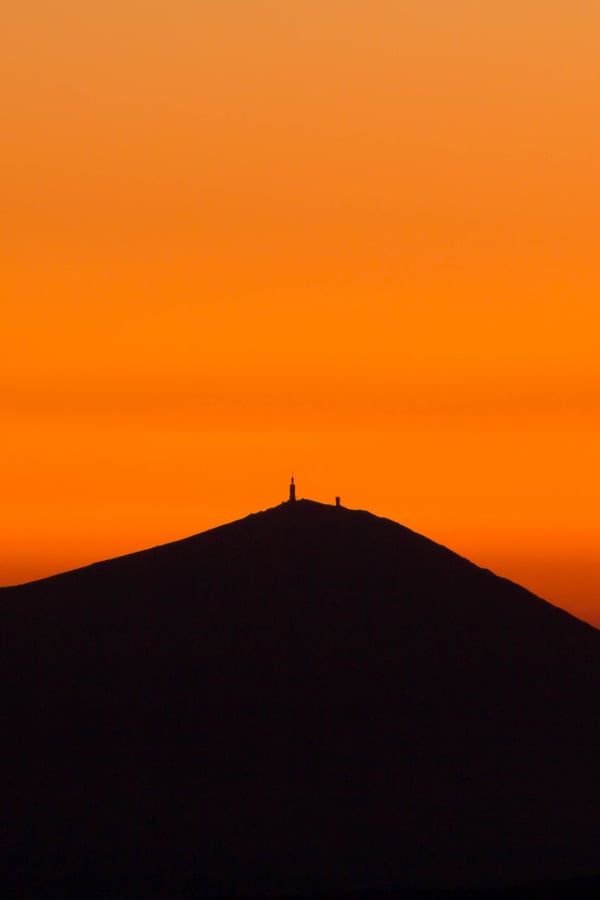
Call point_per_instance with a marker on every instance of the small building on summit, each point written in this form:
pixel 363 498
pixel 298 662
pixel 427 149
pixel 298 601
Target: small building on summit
pixel 292 496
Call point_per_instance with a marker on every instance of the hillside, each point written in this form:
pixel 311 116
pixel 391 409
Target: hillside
pixel 309 699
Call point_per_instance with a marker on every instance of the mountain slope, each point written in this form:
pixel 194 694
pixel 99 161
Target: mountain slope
pixel 308 699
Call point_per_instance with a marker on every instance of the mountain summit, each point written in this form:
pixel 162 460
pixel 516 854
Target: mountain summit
pixel 310 699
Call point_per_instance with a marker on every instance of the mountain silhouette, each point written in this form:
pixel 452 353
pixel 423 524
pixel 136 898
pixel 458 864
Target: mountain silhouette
pixel 308 700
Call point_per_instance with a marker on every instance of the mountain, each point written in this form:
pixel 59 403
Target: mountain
pixel 310 699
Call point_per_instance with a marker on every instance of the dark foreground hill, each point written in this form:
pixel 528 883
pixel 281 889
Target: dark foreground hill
pixel 311 699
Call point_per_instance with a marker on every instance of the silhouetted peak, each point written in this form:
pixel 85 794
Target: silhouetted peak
pixel 323 698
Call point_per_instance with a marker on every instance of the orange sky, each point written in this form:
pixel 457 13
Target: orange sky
pixel 357 240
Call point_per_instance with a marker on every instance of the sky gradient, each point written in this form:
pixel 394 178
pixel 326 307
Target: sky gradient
pixel 354 240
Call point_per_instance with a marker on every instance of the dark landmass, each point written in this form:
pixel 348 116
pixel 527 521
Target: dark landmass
pixel 309 701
